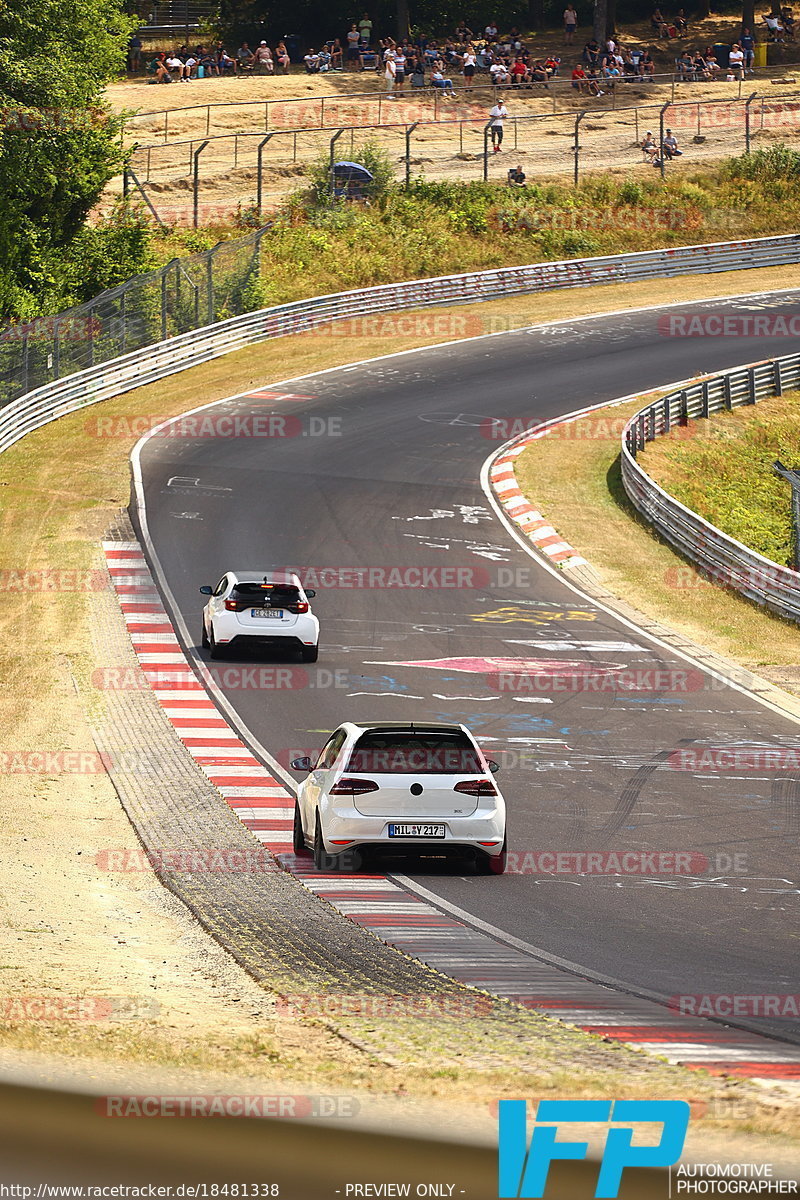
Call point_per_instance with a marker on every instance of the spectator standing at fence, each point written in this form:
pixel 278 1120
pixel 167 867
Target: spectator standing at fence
pixel 354 49
pixel 135 54
pixel 570 24
pixel 468 66
pixel 365 30
pixel 748 44
pixel 497 116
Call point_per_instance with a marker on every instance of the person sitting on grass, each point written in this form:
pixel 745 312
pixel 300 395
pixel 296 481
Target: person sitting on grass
pixel 670 145
pixel 516 177
pixel 158 69
pixel 659 24
pixel 312 61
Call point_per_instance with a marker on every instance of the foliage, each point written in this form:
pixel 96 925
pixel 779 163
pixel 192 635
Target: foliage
pixel 58 148
pixel 370 155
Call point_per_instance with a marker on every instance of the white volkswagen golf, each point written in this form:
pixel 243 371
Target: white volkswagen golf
pixel 260 608
pixel 411 788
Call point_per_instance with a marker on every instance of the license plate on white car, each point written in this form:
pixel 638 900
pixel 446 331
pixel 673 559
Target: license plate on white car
pixel 416 831
pixel 266 612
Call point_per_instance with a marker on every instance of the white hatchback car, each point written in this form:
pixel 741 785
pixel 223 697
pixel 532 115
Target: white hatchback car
pixel 260 608
pixel 413 788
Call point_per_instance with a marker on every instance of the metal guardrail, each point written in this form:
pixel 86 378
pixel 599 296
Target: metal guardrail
pixel 163 358
pixel 717 555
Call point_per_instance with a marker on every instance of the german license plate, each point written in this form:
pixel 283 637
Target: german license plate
pixel 416 831
pixel 267 612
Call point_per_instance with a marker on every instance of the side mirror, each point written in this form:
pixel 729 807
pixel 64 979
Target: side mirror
pixel 492 765
pixel 206 590
pixel 311 593
pixel 301 764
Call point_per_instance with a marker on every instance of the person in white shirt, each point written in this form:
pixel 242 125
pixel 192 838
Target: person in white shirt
pixel 736 60
pixel 389 71
pixel 570 23
pixel 468 66
pixel 499 74
pixel 497 116
pixel 490 31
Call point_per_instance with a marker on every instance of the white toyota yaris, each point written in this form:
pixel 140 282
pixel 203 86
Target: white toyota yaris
pixel 260 608
pixel 411 788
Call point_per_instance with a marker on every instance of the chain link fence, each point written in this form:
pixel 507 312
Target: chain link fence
pixel 183 295
pixel 212 176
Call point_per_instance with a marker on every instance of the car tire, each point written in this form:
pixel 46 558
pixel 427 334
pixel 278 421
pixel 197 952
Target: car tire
pixel 492 864
pixel 310 653
pixel 214 650
pixel 204 642
pixel 298 837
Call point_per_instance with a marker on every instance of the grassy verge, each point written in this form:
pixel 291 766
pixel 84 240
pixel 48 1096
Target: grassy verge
pixel 722 468
pixel 574 478
pixel 62 486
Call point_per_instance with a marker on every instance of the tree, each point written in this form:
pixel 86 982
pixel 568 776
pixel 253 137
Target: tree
pixel 59 144
pixel 600 21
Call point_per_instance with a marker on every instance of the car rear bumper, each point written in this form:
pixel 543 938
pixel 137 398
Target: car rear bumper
pixel 478 832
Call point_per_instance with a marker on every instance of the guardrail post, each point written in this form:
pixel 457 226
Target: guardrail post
pixel 651 415
pixel 196 181
pixel 409 130
pixel 751 383
pixel 576 148
pixel 260 170
pixel 684 417
pixel 56 350
pixel 728 397
pixel 748 102
pixel 210 285
pixel 777 379
pixel 667 417
pixel 792 476
pixel 704 409
pixel 334 140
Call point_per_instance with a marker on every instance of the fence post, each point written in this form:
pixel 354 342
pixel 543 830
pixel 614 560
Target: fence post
pixel 667 417
pixel 208 119
pixel 56 349
pixel 196 181
pixel 164 273
pixel 260 170
pixel 409 130
pixel 25 361
pixel 748 102
pixel 577 146
pixel 210 284
pixel 777 378
pixel 166 124
pixel 334 140
pixel 123 317
pixel 486 129
pixel 751 382
pixel 661 155
pixel 728 399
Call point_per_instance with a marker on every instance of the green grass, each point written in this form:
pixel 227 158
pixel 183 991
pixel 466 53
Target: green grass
pixel 724 472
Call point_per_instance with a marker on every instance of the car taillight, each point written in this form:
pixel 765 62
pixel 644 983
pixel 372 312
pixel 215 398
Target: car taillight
pixel 353 787
pixel 300 607
pixel 233 605
pixel 477 787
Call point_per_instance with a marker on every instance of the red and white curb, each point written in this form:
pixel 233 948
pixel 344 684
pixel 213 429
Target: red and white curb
pixel 520 510
pixel 395 915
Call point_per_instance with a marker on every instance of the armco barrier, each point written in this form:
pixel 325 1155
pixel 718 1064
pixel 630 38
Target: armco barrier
pixel 36 408
pixel 719 556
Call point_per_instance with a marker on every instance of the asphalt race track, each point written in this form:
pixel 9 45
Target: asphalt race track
pixel 384 472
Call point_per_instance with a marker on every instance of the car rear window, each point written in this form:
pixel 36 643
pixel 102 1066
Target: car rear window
pixel 272 593
pixel 414 753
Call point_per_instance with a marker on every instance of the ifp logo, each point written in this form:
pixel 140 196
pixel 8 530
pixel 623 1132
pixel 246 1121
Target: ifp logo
pixel 523 1169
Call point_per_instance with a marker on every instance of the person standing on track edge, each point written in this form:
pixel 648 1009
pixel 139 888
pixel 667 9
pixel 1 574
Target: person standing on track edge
pixel 498 115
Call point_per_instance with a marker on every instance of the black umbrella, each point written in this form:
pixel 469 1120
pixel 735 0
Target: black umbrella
pixel 354 171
